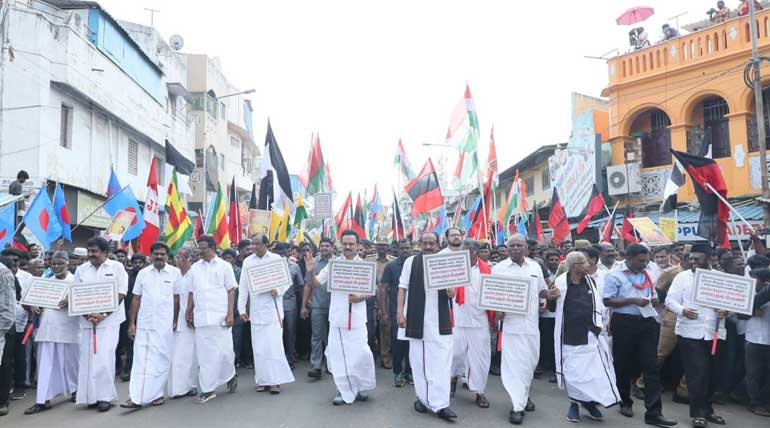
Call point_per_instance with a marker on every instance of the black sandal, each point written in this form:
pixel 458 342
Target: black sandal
pixel 699 422
pixel 716 419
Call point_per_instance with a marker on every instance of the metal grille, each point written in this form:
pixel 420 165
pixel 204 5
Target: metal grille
pixel 133 157
pixel 714 109
pixel 659 120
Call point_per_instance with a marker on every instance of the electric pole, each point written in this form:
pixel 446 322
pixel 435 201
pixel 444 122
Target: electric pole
pixel 760 111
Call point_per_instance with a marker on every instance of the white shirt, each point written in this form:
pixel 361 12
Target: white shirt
pixel 758 327
pixel 157 288
pixel 210 283
pixel 25 280
pixel 517 323
pixel 680 297
pixel 56 325
pixel 615 266
pixel 339 305
pixel 469 314
pixel 262 310
pixel 109 270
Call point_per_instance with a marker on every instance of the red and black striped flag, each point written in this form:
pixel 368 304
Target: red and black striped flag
pixel 557 220
pixel 595 206
pixel 234 223
pixel 424 190
pixel 358 221
pixel 397 224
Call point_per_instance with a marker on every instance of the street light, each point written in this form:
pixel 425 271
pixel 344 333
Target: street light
pixel 247 91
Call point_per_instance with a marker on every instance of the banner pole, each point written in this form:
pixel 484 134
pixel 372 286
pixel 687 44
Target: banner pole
pixel 730 206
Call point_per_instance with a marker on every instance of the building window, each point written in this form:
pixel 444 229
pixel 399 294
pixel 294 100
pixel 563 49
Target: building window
pixel 656 145
pixel 530 183
pixel 545 178
pixel 65 135
pixel 199 158
pixel 222 161
pixel 133 157
pixel 235 142
pixel 222 111
pixel 715 125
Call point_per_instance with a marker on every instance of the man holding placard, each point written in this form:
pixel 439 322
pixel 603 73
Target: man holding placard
pixel 152 322
pixel 99 331
pixel 57 345
pixel 264 280
pixel 695 328
pixel 348 355
pixel 210 309
pixel 521 331
pixel 424 320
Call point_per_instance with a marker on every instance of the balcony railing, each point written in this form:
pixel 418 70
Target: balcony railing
pixel 721 40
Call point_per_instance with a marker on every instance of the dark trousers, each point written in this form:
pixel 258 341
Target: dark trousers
pixel 399 349
pixel 6 366
pixel 247 354
pixel 125 345
pixel 289 333
pixel 634 346
pixel 20 364
pixel 758 373
pixel 547 359
pixel 304 330
pixel 237 332
pixel 733 369
pixel 700 368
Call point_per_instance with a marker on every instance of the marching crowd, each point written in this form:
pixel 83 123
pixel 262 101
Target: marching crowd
pixel 605 325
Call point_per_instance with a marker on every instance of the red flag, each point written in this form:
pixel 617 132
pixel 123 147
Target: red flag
pixel 480 225
pixel 152 229
pixel 198 232
pixel 606 230
pixel 344 216
pixel 595 206
pixel 627 231
pixel 234 223
pixel 557 220
pixel 538 226
pixel 424 190
pixel 357 222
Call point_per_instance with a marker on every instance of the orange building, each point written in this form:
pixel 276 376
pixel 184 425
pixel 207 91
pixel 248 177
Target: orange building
pixel 676 93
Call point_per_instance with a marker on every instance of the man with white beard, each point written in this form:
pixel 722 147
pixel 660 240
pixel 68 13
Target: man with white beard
pixel 183 378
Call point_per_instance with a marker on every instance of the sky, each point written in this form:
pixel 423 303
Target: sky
pixel 364 74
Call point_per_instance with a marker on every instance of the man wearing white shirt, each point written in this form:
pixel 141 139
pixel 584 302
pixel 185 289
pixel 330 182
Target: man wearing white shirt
pixel 521 333
pixel 348 355
pixel 271 369
pixel 210 311
pixel 183 377
pixel 57 346
pixel 608 257
pixel 153 319
pixel 96 372
pixel 695 328
pixel 424 320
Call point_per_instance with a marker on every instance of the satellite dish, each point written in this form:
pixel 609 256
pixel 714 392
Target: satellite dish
pixel 177 42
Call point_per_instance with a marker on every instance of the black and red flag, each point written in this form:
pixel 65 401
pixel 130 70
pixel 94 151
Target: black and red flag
pixel 627 230
pixel 534 227
pixel 708 182
pixel 424 190
pixel 358 222
pixel 234 222
pixel 557 220
pixel 199 231
pixel 397 224
pixel 595 206
pixel 606 230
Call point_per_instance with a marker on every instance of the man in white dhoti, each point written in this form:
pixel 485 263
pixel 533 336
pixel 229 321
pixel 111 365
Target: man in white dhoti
pixel 348 356
pixel 210 311
pixel 583 360
pixel 99 331
pixel 424 320
pixel 57 346
pixel 521 333
pixel 183 379
pixel 472 354
pixel 153 320
pixel 271 369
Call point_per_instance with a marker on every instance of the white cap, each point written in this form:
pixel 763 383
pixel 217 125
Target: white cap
pixel 80 252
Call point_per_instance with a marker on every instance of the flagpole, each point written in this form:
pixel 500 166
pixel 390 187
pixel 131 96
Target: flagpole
pixel 730 206
pixel 612 218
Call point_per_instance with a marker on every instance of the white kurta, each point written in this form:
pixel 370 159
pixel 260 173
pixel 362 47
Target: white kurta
pixel 96 371
pixel 184 363
pixel 471 355
pixel 585 371
pixel 348 355
pixel 154 341
pixel 266 315
pixel 57 341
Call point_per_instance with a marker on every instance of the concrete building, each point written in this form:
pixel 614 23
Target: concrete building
pixel 80 92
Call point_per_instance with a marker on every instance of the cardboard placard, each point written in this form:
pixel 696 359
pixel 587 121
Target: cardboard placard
pixel 93 297
pixel 323 205
pixel 507 293
pixel 447 270
pixel 668 226
pixel 719 290
pixel 259 222
pixel 649 231
pixel 118 226
pixel 268 276
pixel 45 293
pixel 353 277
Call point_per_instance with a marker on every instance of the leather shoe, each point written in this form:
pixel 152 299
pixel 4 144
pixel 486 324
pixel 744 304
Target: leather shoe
pixel 530 407
pixel 103 406
pixel 659 421
pixel 446 414
pixel 419 407
pixel 627 411
pixel 515 417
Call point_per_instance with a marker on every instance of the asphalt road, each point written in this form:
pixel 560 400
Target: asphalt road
pixel 307 403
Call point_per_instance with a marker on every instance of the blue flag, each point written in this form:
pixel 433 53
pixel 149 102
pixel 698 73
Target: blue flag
pixel 113 186
pixel 443 222
pixel 522 228
pixel 41 220
pixel 7 224
pixel 62 213
pixel 124 200
pixel 471 214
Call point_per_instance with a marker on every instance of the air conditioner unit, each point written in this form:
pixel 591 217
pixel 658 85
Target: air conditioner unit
pixel 624 179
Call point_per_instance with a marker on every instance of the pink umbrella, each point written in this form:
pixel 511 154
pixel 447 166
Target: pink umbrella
pixel 634 15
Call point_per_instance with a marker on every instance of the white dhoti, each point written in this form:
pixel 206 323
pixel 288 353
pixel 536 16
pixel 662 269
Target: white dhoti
pixel 431 362
pixel 520 353
pixel 214 347
pixel 472 356
pixel 57 369
pixel 351 362
pixel 184 363
pixel 96 371
pixel 151 364
pixel 270 365
pixel 587 372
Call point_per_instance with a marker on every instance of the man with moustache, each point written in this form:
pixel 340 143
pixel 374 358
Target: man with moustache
pixel 183 379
